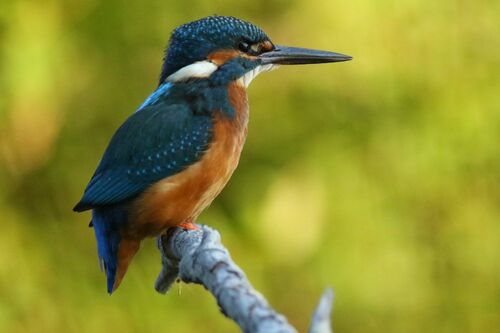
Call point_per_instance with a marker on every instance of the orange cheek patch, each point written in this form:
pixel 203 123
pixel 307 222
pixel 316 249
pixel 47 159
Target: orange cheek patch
pixel 266 46
pixel 221 57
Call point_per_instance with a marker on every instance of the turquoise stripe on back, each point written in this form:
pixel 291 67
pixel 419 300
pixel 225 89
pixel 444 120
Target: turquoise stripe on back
pixel 162 90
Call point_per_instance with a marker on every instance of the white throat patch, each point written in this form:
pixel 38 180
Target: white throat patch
pixel 245 80
pixel 199 69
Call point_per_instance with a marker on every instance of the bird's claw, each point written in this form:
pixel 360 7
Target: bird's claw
pixel 188 225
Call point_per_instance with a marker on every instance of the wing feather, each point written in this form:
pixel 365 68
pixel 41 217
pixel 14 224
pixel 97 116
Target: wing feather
pixel 157 142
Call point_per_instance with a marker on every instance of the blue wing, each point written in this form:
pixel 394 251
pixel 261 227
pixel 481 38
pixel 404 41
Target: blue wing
pixel 158 141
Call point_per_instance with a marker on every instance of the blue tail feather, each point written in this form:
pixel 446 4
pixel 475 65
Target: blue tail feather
pixel 107 221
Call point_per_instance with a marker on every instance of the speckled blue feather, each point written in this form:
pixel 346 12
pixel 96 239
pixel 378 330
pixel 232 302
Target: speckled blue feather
pixel 166 136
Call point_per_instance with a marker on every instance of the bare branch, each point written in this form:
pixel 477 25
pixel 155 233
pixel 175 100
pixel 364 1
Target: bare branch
pixel 198 256
pixel 321 317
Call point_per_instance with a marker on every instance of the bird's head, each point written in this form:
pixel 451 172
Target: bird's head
pixel 226 49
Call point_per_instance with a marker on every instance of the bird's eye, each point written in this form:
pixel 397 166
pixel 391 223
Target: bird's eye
pixel 255 49
pixel 244 46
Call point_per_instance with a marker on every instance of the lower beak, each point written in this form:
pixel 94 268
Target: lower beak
pixel 284 55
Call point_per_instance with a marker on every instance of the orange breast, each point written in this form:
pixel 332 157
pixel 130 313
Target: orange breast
pixel 185 195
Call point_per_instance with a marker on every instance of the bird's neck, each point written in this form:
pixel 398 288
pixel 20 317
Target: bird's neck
pixel 216 84
pixel 205 98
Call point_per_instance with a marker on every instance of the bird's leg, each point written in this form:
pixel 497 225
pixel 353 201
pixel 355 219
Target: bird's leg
pixel 188 225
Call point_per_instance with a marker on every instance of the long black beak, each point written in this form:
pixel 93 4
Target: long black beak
pixel 284 55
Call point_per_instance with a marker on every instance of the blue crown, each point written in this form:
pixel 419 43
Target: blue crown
pixel 194 41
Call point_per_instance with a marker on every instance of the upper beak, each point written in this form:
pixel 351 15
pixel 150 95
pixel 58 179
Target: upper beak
pixel 284 55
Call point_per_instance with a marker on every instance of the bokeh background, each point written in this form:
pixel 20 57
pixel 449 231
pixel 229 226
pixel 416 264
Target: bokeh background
pixel 379 177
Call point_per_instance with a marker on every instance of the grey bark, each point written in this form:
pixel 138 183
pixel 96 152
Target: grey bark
pixel 198 256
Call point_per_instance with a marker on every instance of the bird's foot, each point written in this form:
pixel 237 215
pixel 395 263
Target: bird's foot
pixel 188 225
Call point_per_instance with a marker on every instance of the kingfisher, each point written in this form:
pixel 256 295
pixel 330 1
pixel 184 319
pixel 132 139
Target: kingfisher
pixel 169 160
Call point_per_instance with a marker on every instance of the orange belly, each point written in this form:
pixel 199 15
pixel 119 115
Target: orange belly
pixel 182 197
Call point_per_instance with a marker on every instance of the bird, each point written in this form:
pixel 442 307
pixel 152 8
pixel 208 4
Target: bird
pixel 172 157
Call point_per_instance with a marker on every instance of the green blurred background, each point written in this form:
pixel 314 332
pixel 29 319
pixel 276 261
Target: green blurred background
pixel 379 177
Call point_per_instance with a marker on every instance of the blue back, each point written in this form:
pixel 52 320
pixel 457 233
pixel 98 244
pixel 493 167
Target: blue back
pixel 165 136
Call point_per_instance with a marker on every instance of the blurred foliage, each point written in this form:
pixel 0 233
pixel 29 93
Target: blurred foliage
pixel 379 177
